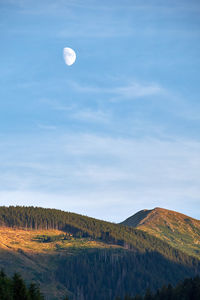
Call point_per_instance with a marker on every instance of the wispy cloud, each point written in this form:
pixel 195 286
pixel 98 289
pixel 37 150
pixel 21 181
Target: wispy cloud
pixel 129 91
pixel 76 112
pixel 136 90
pixel 132 173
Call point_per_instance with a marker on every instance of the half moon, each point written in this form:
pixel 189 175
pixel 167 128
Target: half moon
pixel 69 56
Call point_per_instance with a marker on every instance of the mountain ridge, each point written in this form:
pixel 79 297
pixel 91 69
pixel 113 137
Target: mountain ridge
pixel 144 214
pixel 179 230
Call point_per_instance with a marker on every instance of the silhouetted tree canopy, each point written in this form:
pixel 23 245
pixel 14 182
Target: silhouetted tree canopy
pixel 15 288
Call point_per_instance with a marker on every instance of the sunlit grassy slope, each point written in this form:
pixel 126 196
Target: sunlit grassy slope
pixel 33 241
pixel 177 229
pixel 25 252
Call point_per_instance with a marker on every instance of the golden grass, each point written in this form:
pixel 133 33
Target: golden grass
pixel 15 239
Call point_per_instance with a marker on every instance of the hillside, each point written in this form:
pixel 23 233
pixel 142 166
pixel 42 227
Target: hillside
pixel 188 289
pixel 87 259
pixel 36 254
pixel 179 230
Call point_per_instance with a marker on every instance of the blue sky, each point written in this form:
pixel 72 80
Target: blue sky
pixel 116 132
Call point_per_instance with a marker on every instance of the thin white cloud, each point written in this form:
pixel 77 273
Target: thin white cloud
pixel 136 90
pixel 129 91
pixel 89 173
pixel 75 112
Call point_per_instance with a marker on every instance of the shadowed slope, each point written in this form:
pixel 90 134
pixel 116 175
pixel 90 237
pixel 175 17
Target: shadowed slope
pixel 136 219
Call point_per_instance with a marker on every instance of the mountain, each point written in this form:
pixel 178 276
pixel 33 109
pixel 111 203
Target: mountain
pixel 179 230
pixel 86 258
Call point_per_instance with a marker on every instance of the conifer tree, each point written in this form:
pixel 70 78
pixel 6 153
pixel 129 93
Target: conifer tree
pixel 34 292
pixel 19 288
pixel 5 287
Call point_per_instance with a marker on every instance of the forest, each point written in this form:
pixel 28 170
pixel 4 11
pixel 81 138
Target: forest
pixel 14 288
pixel 106 274
pixel 189 289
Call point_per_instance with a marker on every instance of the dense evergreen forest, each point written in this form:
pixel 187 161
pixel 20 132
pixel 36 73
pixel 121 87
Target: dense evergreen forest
pixel 106 274
pixel 14 288
pixel 189 289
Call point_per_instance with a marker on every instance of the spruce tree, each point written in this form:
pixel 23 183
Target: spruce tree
pixel 19 288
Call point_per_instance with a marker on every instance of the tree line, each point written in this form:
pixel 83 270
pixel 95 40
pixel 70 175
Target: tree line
pixel 14 288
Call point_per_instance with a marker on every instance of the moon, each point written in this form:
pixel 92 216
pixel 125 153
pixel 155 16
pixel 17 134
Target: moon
pixel 69 56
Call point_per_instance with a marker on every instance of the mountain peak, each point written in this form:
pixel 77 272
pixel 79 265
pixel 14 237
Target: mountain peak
pixel 142 216
pixel 179 230
pixel 156 216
